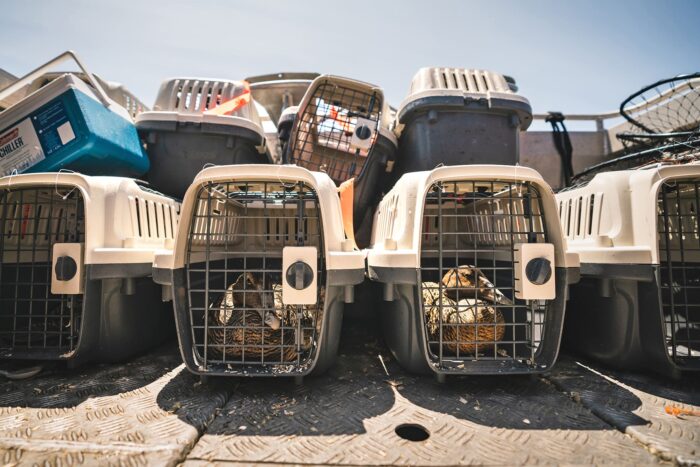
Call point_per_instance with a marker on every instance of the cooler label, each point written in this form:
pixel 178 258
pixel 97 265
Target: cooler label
pixel 33 139
pixel 19 148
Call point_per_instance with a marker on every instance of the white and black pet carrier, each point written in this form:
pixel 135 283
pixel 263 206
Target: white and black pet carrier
pixel 341 127
pixel 197 122
pixel 474 270
pixel 636 232
pixel 260 272
pixel 457 116
pixel 76 264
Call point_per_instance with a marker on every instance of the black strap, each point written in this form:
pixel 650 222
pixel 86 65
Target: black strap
pixel 563 144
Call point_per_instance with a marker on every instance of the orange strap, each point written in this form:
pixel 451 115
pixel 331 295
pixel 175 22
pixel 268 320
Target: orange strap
pixel 231 105
pixel 347 197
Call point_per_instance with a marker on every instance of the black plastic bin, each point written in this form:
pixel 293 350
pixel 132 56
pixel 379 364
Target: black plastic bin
pixel 200 122
pixel 456 116
pixel 67 292
pixel 637 306
pixel 249 234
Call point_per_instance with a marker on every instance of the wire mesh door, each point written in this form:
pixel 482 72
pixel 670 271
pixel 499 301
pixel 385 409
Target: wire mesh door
pixel 234 276
pixel 336 130
pixel 679 256
pixel 470 229
pixel 32 319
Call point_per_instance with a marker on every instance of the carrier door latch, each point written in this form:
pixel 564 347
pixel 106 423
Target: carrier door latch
pixel 67 269
pixel 534 271
pixel 299 267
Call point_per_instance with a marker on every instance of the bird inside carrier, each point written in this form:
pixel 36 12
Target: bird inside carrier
pixel 248 241
pixel 336 127
pixel 473 270
pixel 474 234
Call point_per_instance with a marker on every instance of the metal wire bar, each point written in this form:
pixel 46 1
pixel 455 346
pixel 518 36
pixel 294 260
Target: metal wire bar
pixel 32 319
pixel 234 276
pixel 470 230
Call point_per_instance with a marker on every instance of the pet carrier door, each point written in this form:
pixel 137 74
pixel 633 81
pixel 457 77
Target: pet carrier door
pixel 33 319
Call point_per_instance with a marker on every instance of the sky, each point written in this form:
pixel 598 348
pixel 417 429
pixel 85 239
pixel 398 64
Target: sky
pixel 570 56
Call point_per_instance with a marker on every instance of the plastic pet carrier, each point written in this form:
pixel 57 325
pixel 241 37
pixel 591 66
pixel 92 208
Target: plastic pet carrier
pixel 636 232
pixel 67 122
pixel 455 116
pixel 77 255
pixel 260 272
pixel 474 270
pixel 198 122
pixel 342 128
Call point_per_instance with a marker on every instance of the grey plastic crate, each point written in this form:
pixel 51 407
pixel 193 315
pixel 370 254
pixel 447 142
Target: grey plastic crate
pixel 455 116
pixel 199 122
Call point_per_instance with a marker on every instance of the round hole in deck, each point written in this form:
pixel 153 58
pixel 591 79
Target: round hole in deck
pixel 412 432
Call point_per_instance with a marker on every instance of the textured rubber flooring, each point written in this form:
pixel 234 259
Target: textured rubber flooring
pixel 152 411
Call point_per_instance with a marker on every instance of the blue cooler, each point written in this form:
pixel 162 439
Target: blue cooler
pixel 67 124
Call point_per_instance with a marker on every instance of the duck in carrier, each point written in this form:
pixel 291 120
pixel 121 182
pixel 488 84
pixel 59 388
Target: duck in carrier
pixel 77 255
pixel 260 272
pixel 197 122
pixel 474 270
pixel 637 306
pixel 341 127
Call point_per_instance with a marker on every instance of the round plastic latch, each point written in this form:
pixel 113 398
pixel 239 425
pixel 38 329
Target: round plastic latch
pixel 66 268
pixel 299 275
pixel 363 132
pixel 538 270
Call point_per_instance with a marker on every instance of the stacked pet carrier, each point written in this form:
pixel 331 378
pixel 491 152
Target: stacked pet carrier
pixel 76 255
pixel 67 121
pixel 199 122
pixel 341 127
pixel 455 116
pixel 473 268
pixel 637 235
pixel 260 272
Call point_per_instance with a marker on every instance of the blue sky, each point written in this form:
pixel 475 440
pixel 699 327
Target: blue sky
pixel 571 56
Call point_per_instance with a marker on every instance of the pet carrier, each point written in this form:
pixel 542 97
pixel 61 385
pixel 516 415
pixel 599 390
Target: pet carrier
pixel 76 259
pixel 68 122
pixel 196 122
pixel 455 116
pixel 260 272
pixel 342 128
pixel 474 270
pixel 638 303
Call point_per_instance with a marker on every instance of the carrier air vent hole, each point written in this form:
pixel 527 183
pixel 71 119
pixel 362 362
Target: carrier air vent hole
pixel 412 432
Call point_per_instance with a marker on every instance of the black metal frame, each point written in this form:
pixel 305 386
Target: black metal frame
pixel 33 321
pixel 478 223
pixel 334 155
pixel 679 270
pixel 239 228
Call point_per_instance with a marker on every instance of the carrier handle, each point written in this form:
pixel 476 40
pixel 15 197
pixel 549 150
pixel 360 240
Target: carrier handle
pixel 37 72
